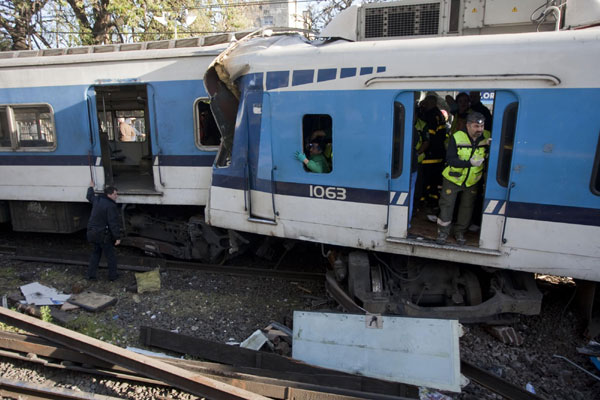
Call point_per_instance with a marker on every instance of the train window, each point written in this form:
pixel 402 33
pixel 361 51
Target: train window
pixel 34 126
pixel 4 128
pixel 398 142
pixel 507 140
pixel 26 127
pixel 131 126
pixel 595 183
pixel 206 130
pixel 317 139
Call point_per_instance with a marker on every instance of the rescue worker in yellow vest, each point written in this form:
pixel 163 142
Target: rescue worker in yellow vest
pixel 464 159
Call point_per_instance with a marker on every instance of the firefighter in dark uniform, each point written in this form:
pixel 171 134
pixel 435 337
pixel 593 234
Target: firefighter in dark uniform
pixel 464 170
pixel 103 230
pixel 433 162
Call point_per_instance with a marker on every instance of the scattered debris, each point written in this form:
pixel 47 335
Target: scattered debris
pixel 388 349
pixel 78 286
pixel 428 394
pixel 149 353
pixel 17 301
pixel 590 349
pixel 505 334
pixel 529 387
pixel 281 338
pixel 596 362
pixel 68 307
pixel 148 281
pixel 301 287
pixel 92 301
pixel 577 366
pixel 41 295
pixel 272 365
pixel 255 341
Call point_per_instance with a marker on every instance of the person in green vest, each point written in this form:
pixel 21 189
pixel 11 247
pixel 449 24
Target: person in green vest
pixel 316 161
pixel 464 170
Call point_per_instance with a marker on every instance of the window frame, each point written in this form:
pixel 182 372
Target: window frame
pixel 501 170
pixel 306 137
pixel 197 141
pixel 398 139
pixel 12 126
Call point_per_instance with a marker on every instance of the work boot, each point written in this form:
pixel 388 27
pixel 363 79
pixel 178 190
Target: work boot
pixel 460 238
pixel 441 238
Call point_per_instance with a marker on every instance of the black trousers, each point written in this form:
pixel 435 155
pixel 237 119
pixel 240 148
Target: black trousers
pixel 111 260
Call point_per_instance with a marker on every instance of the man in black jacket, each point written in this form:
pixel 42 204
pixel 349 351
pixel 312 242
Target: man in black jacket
pixel 103 230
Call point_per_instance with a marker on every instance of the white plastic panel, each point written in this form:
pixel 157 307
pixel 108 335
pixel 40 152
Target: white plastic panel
pixel 417 351
pixel 499 12
pixel 473 12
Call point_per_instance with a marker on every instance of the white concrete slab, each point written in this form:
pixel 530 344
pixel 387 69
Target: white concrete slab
pixel 416 351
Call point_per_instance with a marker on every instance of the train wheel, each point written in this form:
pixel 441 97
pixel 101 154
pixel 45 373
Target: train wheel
pixel 472 288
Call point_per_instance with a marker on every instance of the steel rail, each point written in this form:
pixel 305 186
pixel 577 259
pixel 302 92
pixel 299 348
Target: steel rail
pixel 495 384
pixel 19 390
pixel 48 354
pixel 139 263
pixel 178 377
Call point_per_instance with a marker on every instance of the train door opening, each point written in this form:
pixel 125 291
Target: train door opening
pixel 437 116
pixel 125 140
pixel 399 176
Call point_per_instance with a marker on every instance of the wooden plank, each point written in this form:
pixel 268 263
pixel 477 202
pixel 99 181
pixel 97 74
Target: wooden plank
pixel 178 377
pixel 92 301
pixel 272 384
pixel 241 357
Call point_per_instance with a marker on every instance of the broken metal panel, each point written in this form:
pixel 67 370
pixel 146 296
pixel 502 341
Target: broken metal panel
pixel 422 352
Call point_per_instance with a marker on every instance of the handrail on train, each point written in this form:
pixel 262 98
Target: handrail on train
pixel 551 79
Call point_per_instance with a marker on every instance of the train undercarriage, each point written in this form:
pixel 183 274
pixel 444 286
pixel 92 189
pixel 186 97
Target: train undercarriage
pixel 363 282
pixel 359 281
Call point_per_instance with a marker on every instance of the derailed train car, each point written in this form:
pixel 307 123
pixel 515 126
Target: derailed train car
pixel 135 116
pixel 541 201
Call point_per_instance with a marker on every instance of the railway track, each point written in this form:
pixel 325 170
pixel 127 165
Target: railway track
pixel 140 263
pixel 48 354
pixel 35 349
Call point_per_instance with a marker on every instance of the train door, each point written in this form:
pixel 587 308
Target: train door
pixel 125 137
pixel 498 183
pixel 399 189
pixel 259 168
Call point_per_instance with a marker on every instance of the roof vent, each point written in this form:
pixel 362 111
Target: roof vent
pixel 401 20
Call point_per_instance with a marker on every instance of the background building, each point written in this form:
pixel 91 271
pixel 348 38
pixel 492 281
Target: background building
pixel 276 13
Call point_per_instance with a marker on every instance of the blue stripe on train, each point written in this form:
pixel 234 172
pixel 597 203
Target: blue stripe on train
pixel 60 160
pixel 539 212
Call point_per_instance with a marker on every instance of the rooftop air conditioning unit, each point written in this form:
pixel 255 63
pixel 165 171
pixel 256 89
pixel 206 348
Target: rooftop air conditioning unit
pixel 406 19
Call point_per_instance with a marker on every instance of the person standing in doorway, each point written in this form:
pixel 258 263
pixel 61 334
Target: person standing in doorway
pixel 103 230
pixel 462 175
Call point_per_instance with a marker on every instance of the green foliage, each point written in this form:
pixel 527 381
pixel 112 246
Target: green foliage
pixel 96 327
pixel 46 314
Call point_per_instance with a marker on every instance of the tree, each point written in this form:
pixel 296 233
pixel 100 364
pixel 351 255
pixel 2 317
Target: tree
pixel 65 23
pixel 18 19
pixel 319 14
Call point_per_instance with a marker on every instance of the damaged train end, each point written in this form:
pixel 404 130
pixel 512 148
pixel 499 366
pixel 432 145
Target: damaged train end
pixel 272 95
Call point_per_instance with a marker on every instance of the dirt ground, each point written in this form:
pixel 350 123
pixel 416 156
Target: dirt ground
pixel 226 308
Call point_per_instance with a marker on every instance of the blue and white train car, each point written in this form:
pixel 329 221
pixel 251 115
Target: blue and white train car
pixel 61 113
pixel 541 206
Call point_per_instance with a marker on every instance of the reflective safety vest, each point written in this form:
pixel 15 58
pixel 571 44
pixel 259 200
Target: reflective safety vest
pixel 468 176
pixel 419 126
